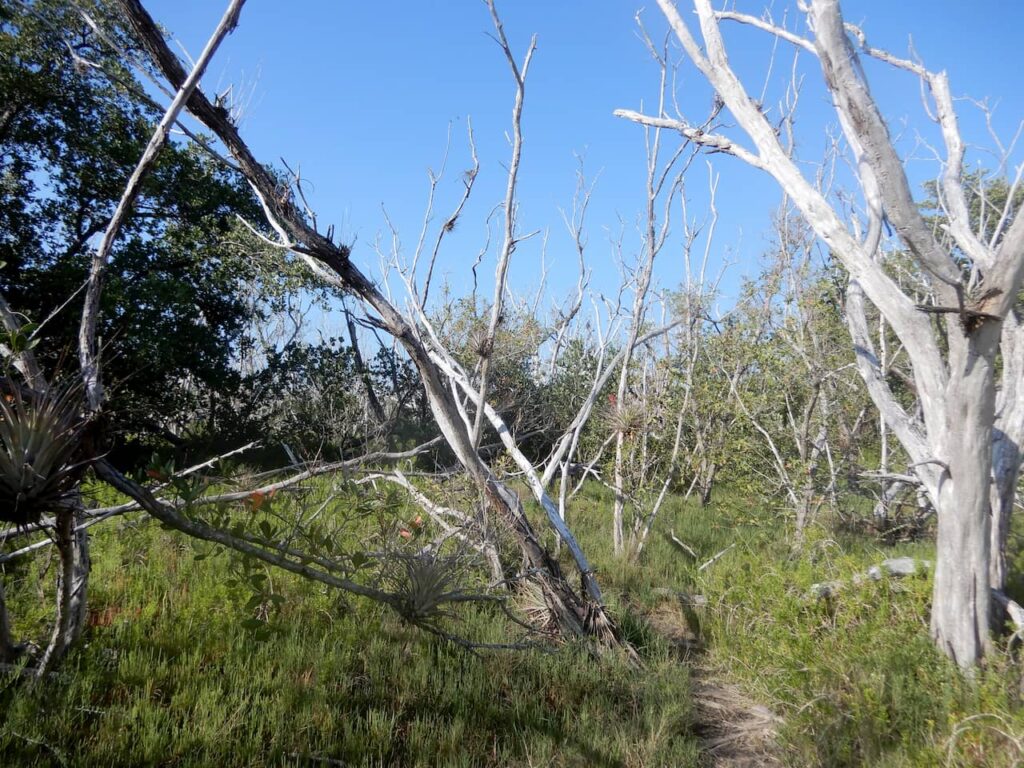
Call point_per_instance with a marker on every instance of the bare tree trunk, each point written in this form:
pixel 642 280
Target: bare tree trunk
pixel 961 619
pixel 72 581
pixel 670 476
pixel 808 501
pixel 707 481
pixel 486 350
pixel 88 351
pixel 655 233
pixel 620 498
pixel 362 370
pixel 891 489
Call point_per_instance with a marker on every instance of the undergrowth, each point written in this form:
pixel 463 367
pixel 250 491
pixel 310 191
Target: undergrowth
pixel 168 674
pixel 855 676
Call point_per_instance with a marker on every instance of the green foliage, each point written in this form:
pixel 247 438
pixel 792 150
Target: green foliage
pixel 987 196
pixel 308 396
pixel 177 308
pixel 536 410
pixel 855 677
pixel 197 656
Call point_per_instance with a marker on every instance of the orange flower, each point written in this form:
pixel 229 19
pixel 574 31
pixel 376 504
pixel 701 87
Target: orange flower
pixel 256 499
pixel 405 534
pixel 418 522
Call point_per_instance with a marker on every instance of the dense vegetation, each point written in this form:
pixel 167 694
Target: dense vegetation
pixel 470 532
pixel 168 673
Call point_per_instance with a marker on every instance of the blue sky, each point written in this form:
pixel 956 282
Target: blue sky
pixel 360 97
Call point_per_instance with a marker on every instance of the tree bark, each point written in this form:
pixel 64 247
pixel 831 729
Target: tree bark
pixel 1006 459
pixel 961 616
pixel 9 650
pixel 1006 447
pixel 72 583
pixel 362 370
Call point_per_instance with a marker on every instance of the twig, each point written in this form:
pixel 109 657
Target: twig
pixel 714 559
pixel 682 545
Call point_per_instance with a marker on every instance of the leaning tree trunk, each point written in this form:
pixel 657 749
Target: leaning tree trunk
pixel 961 617
pixel 574 614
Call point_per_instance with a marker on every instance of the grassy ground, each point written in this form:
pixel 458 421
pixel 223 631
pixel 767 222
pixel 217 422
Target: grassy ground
pixel 167 674
pixel 855 677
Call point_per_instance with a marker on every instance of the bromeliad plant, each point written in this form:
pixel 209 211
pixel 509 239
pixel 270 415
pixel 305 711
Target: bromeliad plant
pixel 40 441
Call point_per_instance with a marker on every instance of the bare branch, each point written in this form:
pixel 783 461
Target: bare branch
pixel 510 240
pixel 711 141
pixel 87 351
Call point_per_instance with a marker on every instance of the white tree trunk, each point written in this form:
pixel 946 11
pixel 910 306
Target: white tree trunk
pixel 952 447
pixel 961 618
pixel 1007 439
pixel 72 581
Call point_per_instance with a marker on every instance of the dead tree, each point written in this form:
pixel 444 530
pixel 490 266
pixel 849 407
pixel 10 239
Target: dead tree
pixel 965 448
pixel 573 614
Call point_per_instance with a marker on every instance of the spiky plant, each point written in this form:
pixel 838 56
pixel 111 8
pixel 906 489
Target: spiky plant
pixel 627 418
pixel 533 606
pixel 40 435
pixel 423 583
pixel 430 584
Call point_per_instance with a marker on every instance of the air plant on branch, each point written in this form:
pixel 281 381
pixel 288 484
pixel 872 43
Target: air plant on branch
pixel 429 583
pixel 425 585
pixel 626 418
pixel 40 436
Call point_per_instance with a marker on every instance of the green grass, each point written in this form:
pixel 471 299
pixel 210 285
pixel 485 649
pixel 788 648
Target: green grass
pixel 855 677
pixel 167 675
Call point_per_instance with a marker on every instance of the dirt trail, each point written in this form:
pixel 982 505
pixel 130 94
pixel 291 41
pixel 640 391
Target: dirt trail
pixel 735 731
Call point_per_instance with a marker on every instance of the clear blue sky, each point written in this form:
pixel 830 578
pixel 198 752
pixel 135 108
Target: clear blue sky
pixel 360 97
